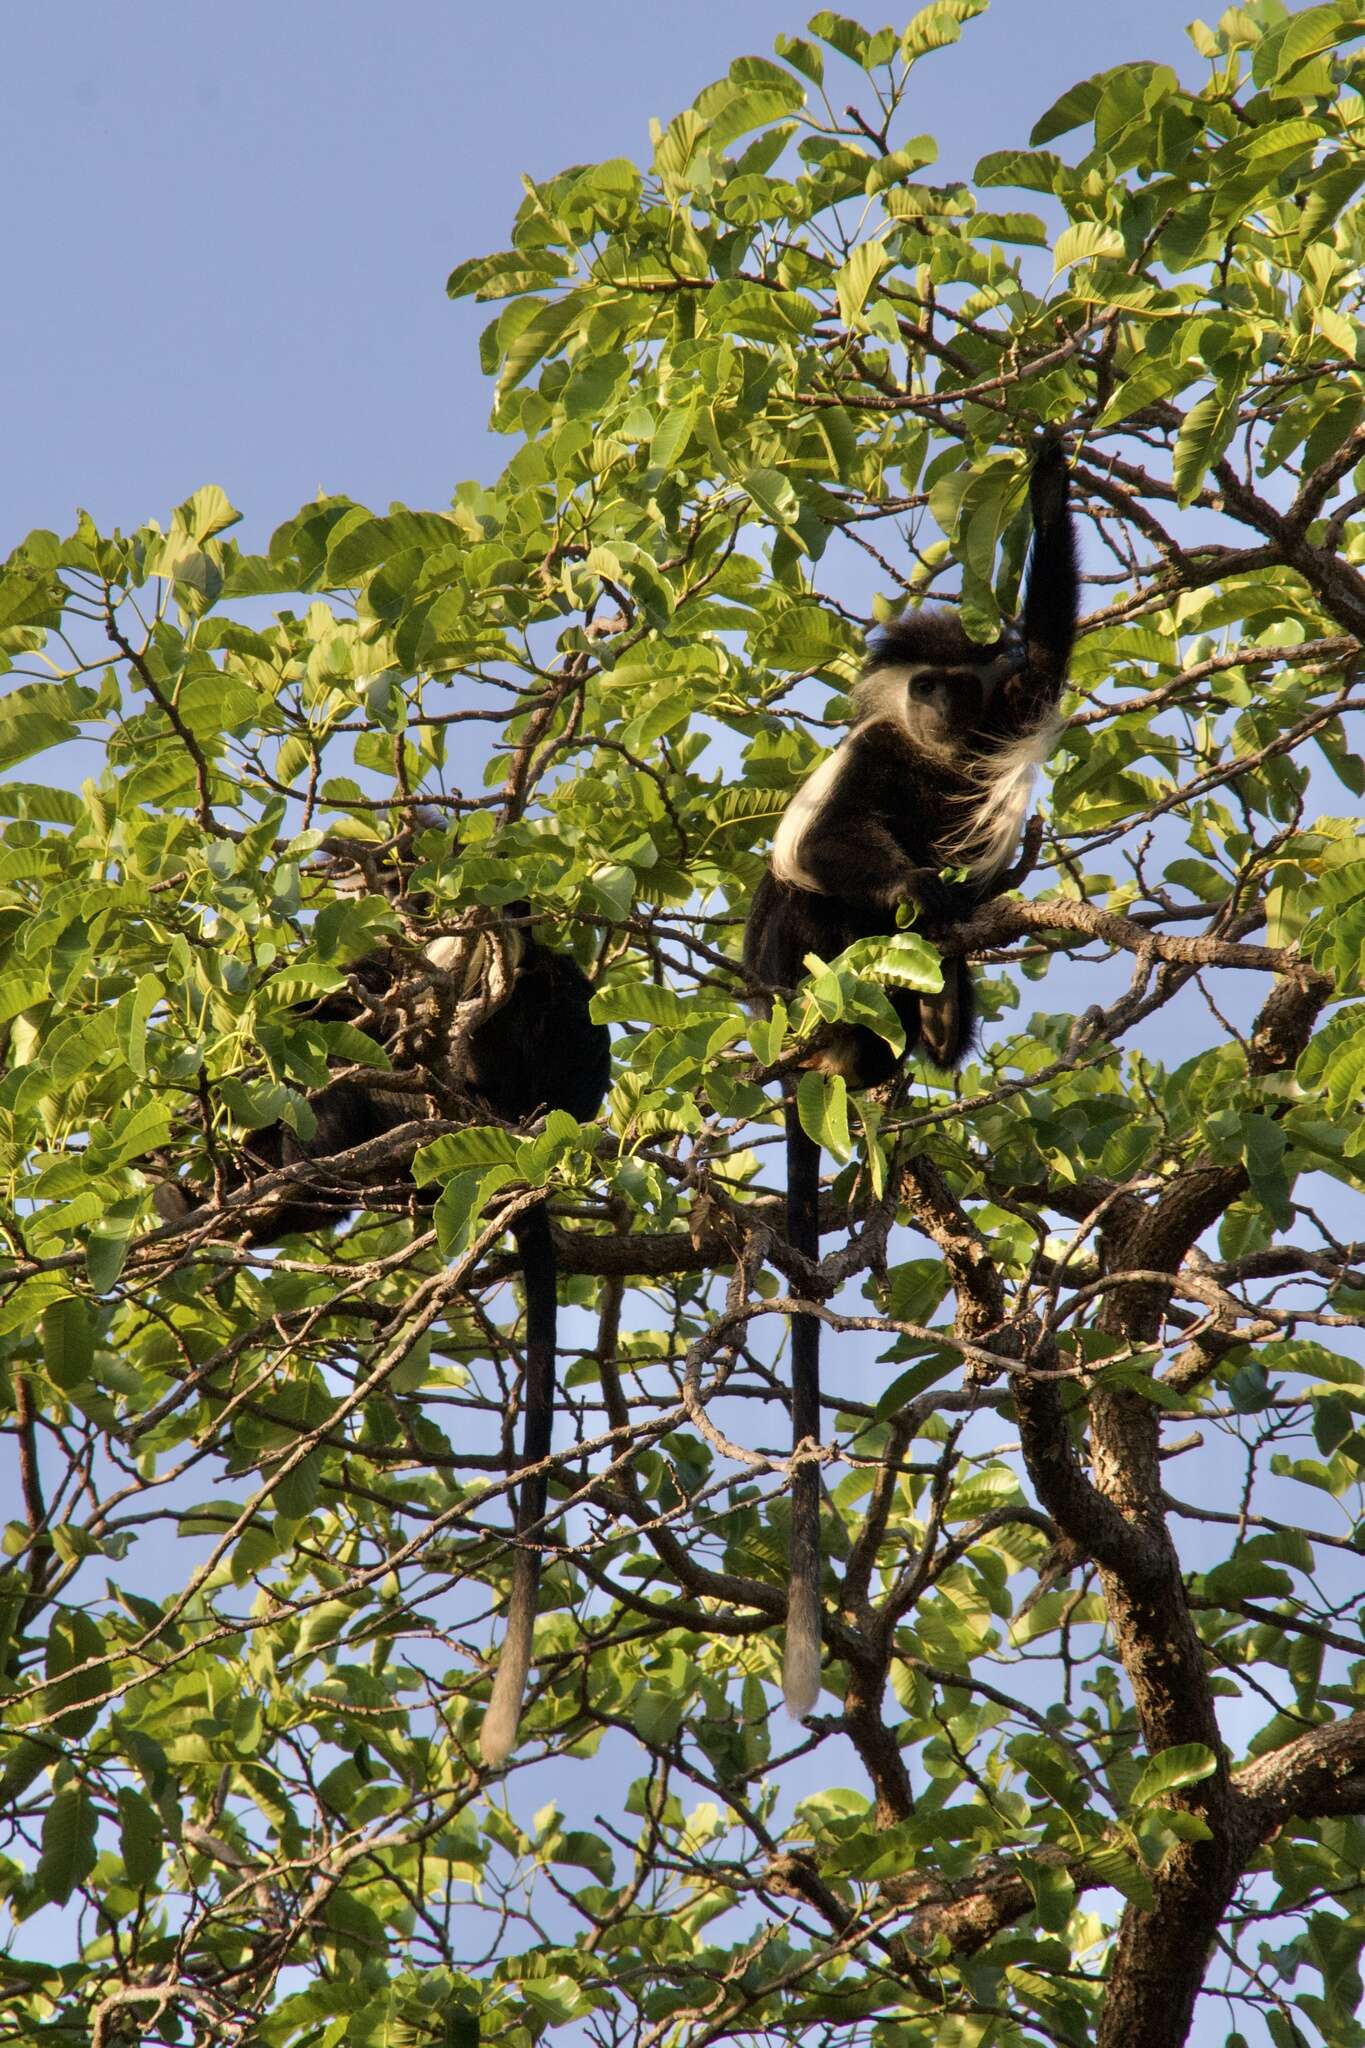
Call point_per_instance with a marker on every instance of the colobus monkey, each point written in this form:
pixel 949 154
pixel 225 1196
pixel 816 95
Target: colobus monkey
pixel 936 772
pixel 539 1050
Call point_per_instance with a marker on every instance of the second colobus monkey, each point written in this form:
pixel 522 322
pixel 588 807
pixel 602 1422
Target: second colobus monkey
pixel 936 772
pixel 538 1050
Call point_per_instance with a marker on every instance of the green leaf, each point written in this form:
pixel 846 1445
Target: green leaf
pixel 855 279
pixel 1026 228
pixel 1076 104
pixel 914 1381
pixel 1341 333
pixel 841 32
pixel 1264 1153
pixel 774 496
pixel 1189 1763
pixel 1310 32
pixel 68 1342
pixel 802 56
pixel 732 109
pixel 481 1145
pixel 132 1137
pixel 937 26
pixel 645 1002
pixel 1204 438
pixel 140 1837
pixel 540 337
pixel 27 1759
pixel 657 1715
pixel 67 1856
pixel 1082 242
pixel 107 1246
pixel 1117 1865
pixel 1335 1060
pixel 461 1203
pixel 766 1035
pixel 822 1104
pixel 586 1852
pixel 134 1010
pixel 206 513
pixel 1034 170
pixel 907 961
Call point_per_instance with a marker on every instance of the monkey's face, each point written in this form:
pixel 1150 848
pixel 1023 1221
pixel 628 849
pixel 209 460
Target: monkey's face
pixel 941 709
pixel 944 704
pixel 940 704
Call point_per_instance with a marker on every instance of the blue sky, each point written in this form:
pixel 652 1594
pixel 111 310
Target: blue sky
pixel 228 230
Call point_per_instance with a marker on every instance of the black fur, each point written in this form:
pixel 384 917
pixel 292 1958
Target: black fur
pixel 897 811
pixel 539 1050
pixel 542 1050
pixel 801 1650
pixel 933 775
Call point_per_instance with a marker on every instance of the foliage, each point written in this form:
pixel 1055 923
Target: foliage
pixel 257 1534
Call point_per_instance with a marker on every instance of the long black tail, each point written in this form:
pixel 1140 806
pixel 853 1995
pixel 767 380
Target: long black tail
pixel 801 1655
pixel 536 1249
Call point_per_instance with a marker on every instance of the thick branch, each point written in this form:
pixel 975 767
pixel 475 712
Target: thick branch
pixel 1320 1776
pixel 1006 919
pixel 1162 1953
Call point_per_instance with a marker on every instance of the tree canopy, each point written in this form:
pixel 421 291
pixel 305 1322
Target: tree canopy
pixel 1089 1761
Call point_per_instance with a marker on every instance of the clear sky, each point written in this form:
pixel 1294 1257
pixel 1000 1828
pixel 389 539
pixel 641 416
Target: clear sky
pixel 228 228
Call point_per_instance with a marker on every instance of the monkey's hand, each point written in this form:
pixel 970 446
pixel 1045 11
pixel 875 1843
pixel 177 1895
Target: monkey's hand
pixel 940 905
pixel 1049 484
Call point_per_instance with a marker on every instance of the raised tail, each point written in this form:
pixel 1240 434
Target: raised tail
pixel 801 1652
pixel 535 1247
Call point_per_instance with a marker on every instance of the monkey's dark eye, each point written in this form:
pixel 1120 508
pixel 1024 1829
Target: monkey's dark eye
pixel 923 686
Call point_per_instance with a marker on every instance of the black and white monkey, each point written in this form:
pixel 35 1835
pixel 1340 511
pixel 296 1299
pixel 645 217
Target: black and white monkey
pixel 936 772
pixel 539 1049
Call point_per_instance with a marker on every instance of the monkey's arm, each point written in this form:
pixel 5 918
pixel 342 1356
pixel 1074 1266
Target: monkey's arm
pixel 869 838
pixel 863 863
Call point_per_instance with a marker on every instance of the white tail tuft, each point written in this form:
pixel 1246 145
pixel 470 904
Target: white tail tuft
pixel 801 1653
pixel 499 1730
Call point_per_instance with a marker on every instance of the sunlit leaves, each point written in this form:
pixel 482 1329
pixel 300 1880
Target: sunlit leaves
pixel 1077 104
pixel 1335 1061
pixel 755 93
pixel 937 26
pixel 1308 34
pixel 1205 433
pixel 822 1101
pixel 1037 170
pixel 749 391
pixel 1084 240
pixel 855 280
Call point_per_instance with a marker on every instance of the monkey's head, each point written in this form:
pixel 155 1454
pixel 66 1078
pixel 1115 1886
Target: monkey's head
pixel 924 675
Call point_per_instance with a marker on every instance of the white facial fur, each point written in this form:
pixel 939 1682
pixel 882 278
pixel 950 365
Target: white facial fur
pixel 885 693
pixel 992 821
